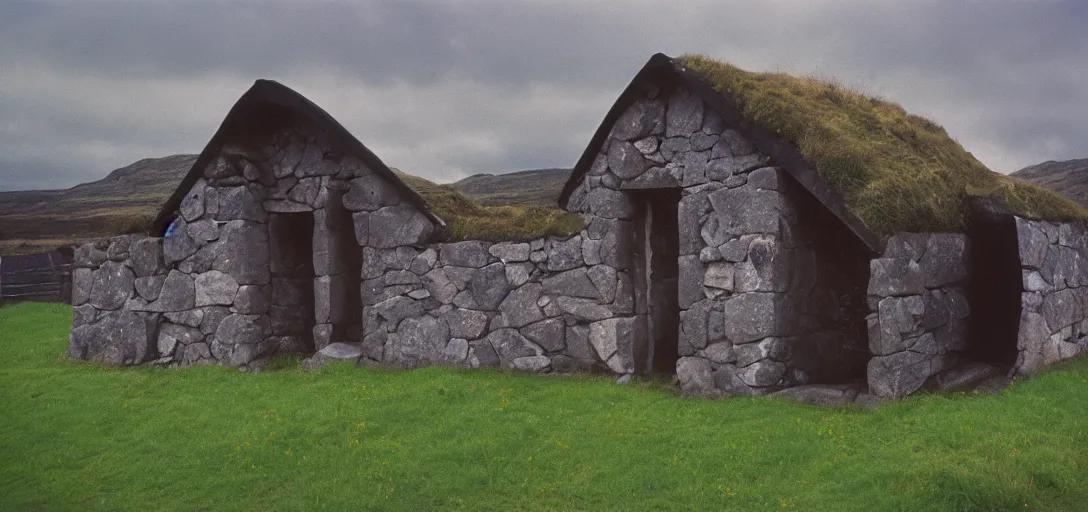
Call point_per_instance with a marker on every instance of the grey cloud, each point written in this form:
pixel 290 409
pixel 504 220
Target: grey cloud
pixel 450 89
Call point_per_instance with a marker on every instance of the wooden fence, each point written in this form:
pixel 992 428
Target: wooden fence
pixel 42 277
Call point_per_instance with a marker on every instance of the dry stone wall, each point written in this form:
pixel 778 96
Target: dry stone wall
pixel 1054 302
pixel 538 306
pixel 918 320
pixel 750 322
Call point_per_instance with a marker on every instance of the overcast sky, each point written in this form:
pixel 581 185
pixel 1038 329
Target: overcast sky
pixel 449 89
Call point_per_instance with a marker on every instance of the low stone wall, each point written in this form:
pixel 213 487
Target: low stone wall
pixel 544 305
pixel 1054 303
pixel 918 320
pixel 105 278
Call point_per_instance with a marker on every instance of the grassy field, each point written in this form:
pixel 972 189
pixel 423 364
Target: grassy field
pixel 76 436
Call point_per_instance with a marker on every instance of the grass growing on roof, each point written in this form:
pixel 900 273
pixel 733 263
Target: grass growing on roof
pixel 79 436
pixel 896 171
pixel 467 220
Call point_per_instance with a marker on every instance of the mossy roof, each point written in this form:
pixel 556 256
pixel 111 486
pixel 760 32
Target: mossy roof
pixel 880 166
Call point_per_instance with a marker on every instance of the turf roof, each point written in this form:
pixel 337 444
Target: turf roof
pixel 895 171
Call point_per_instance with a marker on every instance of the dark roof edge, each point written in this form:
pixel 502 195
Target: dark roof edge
pixel 782 153
pixel 266 93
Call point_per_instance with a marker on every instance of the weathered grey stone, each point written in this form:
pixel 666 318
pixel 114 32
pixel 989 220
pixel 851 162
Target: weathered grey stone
pixel 945 260
pixel 565 254
pixel 243 354
pixel 715 326
pixel 605 280
pixel 626 161
pixel 83 315
pixel 464 254
pixel 746 210
pixel 215 288
pixel 642 118
pixel 510 345
pixel 616 246
pixel 710 255
pixel 719 275
pixel 464 300
pixel 518 274
pixel 251 300
pixel 647 145
pixel 147 257
pixel 690 283
pixel 738 145
pixel 591 251
pixel 203 231
pixel 243 329
pixel 675 147
pixel 393 226
pixel 694 172
pixel 1060 309
pixel 322 335
pixel 424 262
pixel 482 355
pixel 720 353
pixel 349 352
pixel 171 335
pixel 195 353
pixel 489 286
pixel 655 177
pixel 1032 243
pixel 900 374
pixel 575 283
pixel 82 282
pixel 584 309
pixel 419 294
pixel 456 352
pixel 702 141
pixel 148 288
pixel 313 162
pixel 305 191
pixel 241 203
pixel 418 341
pixel 534 364
pixel 242 252
pixel 549 334
pixel 398 308
pixel 192 205
pixel 694 375
pixel 608 203
pixel 693 324
pixel 285 206
pixel 520 308
pixel 684 115
pixel 111 285
pixel 765 178
pixel 763 373
pixel 466 323
pixel 510 252
pixel 212 317
pixel 895 277
pixel 369 193
pixel 179 245
pixel 611 339
pixel 898 318
pixel 750 317
pixel 438 283
pixel 191 318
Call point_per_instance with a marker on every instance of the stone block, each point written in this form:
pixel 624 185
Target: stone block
pixel 642 118
pixel 895 277
pixel 489 286
pixel 684 115
pixel 945 260
pixel 751 316
pixel 549 334
pixel 626 161
pixel 746 210
pixel 509 345
pixel 111 285
pixel 464 254
pixel 574 283
pixel 565 254
pixel 215 288
pixel 242 251
pixel 520 308
pixel 393 226
pixel 695 377
pixel 147 257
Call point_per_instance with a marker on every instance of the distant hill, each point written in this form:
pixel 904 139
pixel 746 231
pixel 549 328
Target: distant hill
pixel 535 187
pixel 39 220
pixel 1068 178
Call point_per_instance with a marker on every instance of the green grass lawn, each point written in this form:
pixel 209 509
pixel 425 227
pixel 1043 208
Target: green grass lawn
pixel 76 436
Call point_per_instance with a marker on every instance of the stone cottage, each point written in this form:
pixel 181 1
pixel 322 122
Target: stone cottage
pixel 711 249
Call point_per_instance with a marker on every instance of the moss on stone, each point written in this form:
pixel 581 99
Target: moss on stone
pixel 896 171
pixel 467 220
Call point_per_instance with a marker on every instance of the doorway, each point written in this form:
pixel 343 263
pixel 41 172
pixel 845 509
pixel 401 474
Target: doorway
pixel 656 255
pixel 291 310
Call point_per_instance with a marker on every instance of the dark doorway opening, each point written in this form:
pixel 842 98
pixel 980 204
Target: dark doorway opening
pixel 291 309
pixel 657 249
pixel 995 285
pixel 345 300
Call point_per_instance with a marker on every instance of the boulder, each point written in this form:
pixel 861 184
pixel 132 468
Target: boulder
pixel 111 285
pixel 242 251
pixel 547 333
pixel 509 344
pixel 241 203
pixel 640 119
pixel 393 226
pixel 465 323
pixel 626 161
pixel 520 308
pixel 750 317
pixel 489 286
pixel 695 377
pixel 147 257
pixel 215 288
pixel 565 254
pixel 350 352
pixel 439 285
pixel 575 283
pixel 238 329
pixel 945 260
pixel 510 252
pixel 684 115
pixel 895 277
pixel 465 254
pixel 148 288
pixel 533 364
